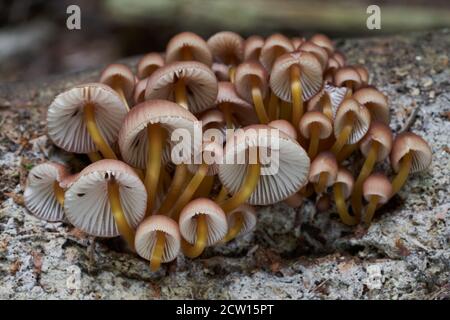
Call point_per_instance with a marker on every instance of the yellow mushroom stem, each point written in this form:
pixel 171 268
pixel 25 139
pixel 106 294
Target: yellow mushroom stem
pixel 205 187
pixel 371 208
pixel 158 251
pixel 225 107
pixel 344 134
pixel 401 177
pixel 59 193
pixel 297 99
pixel 175 188
pixel 346 152
pixel 117 87
pixel 366 169
pixel 180 94
pixel 341 206
pixel 285 111
pixel 246 189
pixel 196 249
pixel 155 137
pixel 326 107
pixel 321 185
pixel 234 230
pixel 186 53
pixel 307 190
pixel 189 191
pixel 314 140
pixel 94 156
pixel 273 106
pixel 119 217
pixel 349 86
pixel 223 194
pixel 258 101
pixel 94 132
pixel 232 73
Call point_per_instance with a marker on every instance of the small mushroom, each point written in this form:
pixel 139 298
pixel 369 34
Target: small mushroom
pixel 158 240
pixel 375 102
pixel 363 73
pixel 339 57
pixel 227 47
pixel 342 189
pixel 351 124
pixel 149 64
pixel 315 126
pixel 139 91
pixel 241 221
pixel 327 100
pixel 202 224
pixel 107 199
pixel 348 77
pixel 410 154
pixel 297 42
pixel 296 77
pixel 190 84
pixel 323 41
pixel 252 47
pixel 320 53
pixel 222 71
pixel 323 171
pixel 251 84
pixel 86 118
pixel 275 46
pixel 377 190
pixel 285 127
pixel 121 79
pixel 43 195
pixel 187 46
pixel 375 146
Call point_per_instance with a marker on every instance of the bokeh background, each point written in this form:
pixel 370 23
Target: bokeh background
pixel 34 40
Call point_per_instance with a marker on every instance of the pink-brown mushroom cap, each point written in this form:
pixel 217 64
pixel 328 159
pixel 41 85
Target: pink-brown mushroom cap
pixel 195 44
pixel 375 101
pixel 119 75
pixel 345 178
pixel 247 71
pixel 380 133
pixel 361 121
pixel 275 45
pixel 420 150
pixel 252 47
pixel 377 184
pixel 317 118
pixel 324 162
pixel 148 64
pixel 284 126
pixel 227 47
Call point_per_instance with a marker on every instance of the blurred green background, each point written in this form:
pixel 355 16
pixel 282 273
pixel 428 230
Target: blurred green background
pixel 34 40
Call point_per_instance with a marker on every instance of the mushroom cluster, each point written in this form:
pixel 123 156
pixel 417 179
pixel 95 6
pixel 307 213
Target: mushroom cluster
pixel 185 148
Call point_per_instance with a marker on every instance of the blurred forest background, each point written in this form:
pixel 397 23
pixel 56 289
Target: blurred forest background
pixel 34 40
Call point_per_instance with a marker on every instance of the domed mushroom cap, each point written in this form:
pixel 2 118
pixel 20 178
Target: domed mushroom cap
pixel 139 91
pixel 275 45
pixel 200 82
pixel 320 53
pixel 227 47
pixel 247 71
pixel 222 71
pixel 377 184
pixel 419 149
pixel 148 64
pixel 346 179
pixel 335 94
pixel 248 214
pixel 119 75
pixel 310 75
pixel 285 127
pixel 375 102
pixel 361 120
pixel 39 195
pixel 196 45
pixel 145 240
pixel 340 58
pixel 315 118
pixel 380 133
pixel 215 220
pixel 332 65
pixel 133 137
pixel 344 74
pixel 65 117
pixel 284 168
pixel 363 73
pixel 241 109
pixel 297 42
pixel 324 162
pixel 69 180
pixel 87 203
pixel 212 155
pixel 212 116
pixel 252 47
pixel 323 41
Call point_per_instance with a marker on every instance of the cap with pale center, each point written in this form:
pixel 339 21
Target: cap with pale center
pixel 375 102
pixel 148 64
pixel 227 47
pixel 200 82
pixel 409 142
pixel 65 117
pixel 310 75
pixel 145 240
pixel 215 220
pixel 39 195
pixel 380 133
pixel 361 120
pixel 248 215
pixel 345 178
pixel 324 162
pixel 87 202
pixel 195 44
pixel 246 73
pixel 277 151
pixel 133 137
pixel 274 45
pixel 119 75
pixel 315 118
pixel 377 184
pixel 252 47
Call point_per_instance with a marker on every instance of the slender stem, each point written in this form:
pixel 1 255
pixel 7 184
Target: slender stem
pixel 307 190
pixel 232 73
pixel 94 132
pixel 178 181
pixel 402 175
pixel 344 135
pixel 153 169
pixel 234 230
pixel 223 194
pixel 341 207
pixel 286 111
pixel 118 88
pixel 196 249
pixel 205 187
pixel 346 152
pixel 59 193
pixel 297 99
pixel 189 191
pixel 94 156
pixel 322 183
pixel 371 208
pixel 349 86
pixel 158 251
pixel 226 110
pixel 314 140
pixel 258 102
pixel 326 108
pixel 180 94
pixel 186 54
pixel 366 169
pixel 273 106
pixel 119 216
